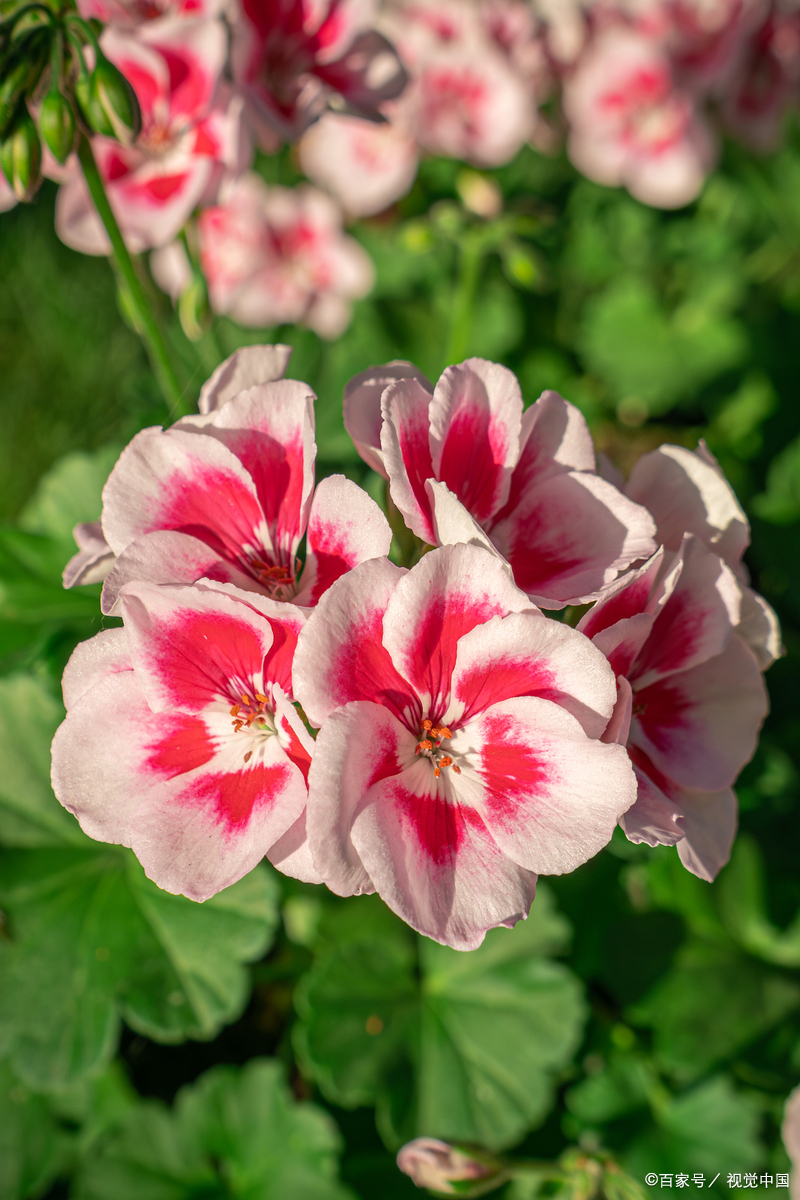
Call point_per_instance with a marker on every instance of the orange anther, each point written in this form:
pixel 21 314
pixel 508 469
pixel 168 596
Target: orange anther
pixel 246 699
pixel 444 732
pixel 424 745
pixel 446 761
pixel 237 725
pixel 261 699
pixel 248 756
pixel 426 724
pixel 457 769
pixel 436 772
pixel 235 710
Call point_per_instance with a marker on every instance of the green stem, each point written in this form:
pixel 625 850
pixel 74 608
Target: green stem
pixel 146 322
pixel 471 253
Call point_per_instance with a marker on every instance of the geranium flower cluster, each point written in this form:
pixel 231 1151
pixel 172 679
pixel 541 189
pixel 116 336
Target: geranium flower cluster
pixel 281 687
pixel 645 89
pixel 214 81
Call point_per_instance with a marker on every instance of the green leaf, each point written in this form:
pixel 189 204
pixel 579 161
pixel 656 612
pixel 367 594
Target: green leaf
pixel 30 815
pixel 94 939
pixel 29 1151
pixel 232 1134
pixel 741 899
pixel 69 494
pixel 623 1085
pixel 452 1045
pixel 780 502
pixel 711 1005
pixel 711 1129
pixel 642 351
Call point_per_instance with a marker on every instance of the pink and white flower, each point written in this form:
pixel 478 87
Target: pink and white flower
pixel 229 495
pixel 290 57
pixel 631 124
pixel 687 492
pixel 274 255
pixel 192 135
pixel 528 479
pixel 691 699
pixel 366 166
pixel 181 741
pixel 458 754
pixel 467 98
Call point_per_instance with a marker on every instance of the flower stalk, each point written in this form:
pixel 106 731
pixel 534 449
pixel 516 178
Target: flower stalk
pixel 146 323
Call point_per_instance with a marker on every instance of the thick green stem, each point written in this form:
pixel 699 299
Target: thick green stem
pixel 145 320
pixel 471 253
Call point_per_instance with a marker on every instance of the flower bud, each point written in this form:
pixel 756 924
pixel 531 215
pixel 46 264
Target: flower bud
pixel 451 1170
pixel 21 156
pixel 193 309
pixel 57 124
pixel 14 80
pixel 114 109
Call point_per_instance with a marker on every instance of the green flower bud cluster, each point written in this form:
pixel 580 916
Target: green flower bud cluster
pixel 55 82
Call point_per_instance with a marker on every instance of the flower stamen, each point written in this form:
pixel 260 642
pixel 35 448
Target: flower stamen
pixel 429 745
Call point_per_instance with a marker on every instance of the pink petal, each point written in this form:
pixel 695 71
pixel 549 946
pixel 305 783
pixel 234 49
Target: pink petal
pixel 570 536
pixel 554 436
pixel 203 830
pixel 346 527
pixel 551 796
pixel 448 593
pixel 406 451
pixel 631 594
pixel 622 642
pixel 165 556
pixel 687 493
pixel 244 369
pixel 369 825
pixel 619 724
pixel 362 407
pixel 709 820
pixel 192 647
pixel 435 864
pixel 700 726
pixel 696 619
pixel 654 818
pixel 167 785
pixel 359 744
pixel 183 481
pixel 475 419
pixel 270 429
pixel 105 654
pixel 340 656
pixel 759 629
pixel 453 523
pixel 291 854
pixel 94 559
pixel 527 654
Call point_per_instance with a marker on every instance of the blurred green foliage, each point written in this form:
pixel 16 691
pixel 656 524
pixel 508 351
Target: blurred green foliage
pixel 639 1011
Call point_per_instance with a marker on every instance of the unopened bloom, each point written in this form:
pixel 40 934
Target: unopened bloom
pixel 229 496
pixel 528 479
pixel 458 754
pixel 437 1165
pixel 181 741
pixel 691 699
